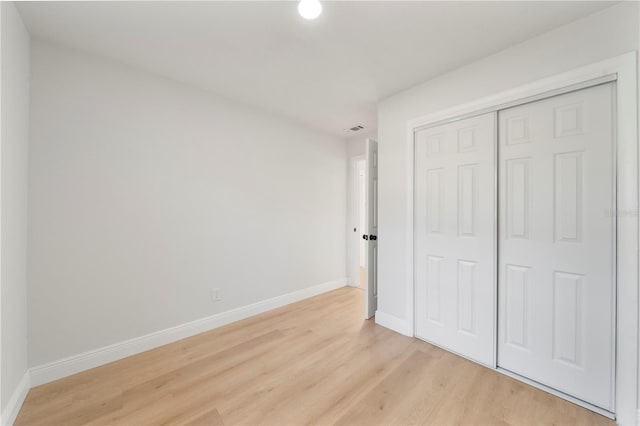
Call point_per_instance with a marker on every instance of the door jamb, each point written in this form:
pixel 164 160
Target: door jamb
pixel 623 70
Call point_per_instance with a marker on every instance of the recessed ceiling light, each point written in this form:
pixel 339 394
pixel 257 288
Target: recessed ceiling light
pixel 309 9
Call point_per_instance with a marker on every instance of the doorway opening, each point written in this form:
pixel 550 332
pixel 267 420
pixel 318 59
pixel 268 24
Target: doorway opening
pixel 357 261
pixel 363 250
pixel 361 220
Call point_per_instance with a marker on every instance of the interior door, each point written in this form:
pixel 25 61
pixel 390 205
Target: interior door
pixel 371 235
pixel 557 248
pixel 362 213
pixel 455 235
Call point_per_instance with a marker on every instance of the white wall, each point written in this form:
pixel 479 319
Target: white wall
pixel 13 231
pixel 145 194
pixel 608 33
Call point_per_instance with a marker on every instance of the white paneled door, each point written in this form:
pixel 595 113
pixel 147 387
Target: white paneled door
pixel 455 236
pixel 556 243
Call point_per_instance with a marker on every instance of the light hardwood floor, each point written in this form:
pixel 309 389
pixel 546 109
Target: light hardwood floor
pixel 313 362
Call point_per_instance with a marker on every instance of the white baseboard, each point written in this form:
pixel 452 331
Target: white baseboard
pixel 12 409
pixel 74 364
pixel 394 323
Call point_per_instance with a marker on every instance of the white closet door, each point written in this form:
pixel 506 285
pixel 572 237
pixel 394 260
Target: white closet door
pixel 556 247
pixel 455 236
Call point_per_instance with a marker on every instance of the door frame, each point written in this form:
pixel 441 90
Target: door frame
pixel 623 70
pixel 354 248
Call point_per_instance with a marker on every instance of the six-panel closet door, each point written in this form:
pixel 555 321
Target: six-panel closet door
pixel 455 236
pixel 556 243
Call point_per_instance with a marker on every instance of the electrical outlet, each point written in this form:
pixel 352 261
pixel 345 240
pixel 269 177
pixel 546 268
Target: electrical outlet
pixel 215 295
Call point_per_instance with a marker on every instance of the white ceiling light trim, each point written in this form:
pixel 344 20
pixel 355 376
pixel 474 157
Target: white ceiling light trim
pixel 309 9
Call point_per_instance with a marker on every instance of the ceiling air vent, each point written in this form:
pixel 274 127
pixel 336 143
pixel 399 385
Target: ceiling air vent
pixel 356 128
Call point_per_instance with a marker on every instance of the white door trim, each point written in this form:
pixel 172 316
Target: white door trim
pixel 624 70
pixel 353 241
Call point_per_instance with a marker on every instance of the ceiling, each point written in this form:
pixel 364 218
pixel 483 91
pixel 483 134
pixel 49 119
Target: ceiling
pixel 328 73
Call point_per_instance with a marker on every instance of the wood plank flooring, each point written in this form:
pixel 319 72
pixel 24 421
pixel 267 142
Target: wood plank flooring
pixel 312 362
